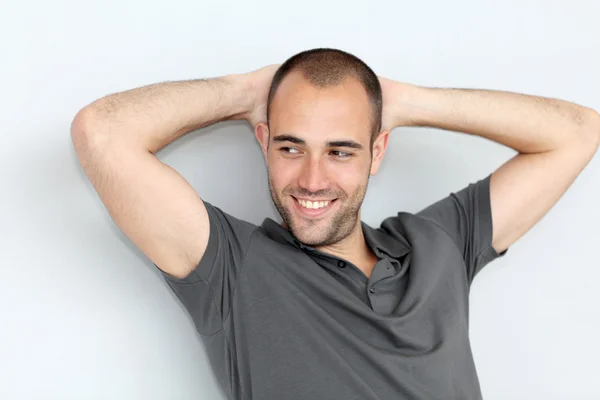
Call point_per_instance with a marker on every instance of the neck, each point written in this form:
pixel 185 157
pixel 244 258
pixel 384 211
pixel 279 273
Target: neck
pixel 355 249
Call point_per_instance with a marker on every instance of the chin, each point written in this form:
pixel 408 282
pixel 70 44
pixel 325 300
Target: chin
pixel 315 233
pixel 310 238
pixel 309 232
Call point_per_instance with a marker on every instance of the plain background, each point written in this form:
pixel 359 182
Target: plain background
pixel 84 315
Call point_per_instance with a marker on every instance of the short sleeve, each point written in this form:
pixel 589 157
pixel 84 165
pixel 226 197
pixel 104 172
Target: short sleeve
pixel 206 291
pixel 466 216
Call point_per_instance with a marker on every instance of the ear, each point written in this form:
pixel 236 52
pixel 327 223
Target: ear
pixel 261 131
pixel 379 146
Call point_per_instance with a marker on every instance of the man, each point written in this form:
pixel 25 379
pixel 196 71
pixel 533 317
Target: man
pixel 324 306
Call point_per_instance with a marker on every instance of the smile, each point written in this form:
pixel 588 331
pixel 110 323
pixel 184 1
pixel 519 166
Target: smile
pixel 313 208
pixel 313 204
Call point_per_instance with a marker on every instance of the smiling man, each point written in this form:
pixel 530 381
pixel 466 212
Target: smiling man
pixel 324 306
pixel 318 143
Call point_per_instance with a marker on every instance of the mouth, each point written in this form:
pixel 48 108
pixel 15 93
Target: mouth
pixel 313 208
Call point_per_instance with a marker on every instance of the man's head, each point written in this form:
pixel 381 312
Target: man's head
pixel 321 142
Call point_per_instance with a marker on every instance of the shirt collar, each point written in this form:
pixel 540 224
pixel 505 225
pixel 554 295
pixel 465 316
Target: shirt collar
pixel 379 240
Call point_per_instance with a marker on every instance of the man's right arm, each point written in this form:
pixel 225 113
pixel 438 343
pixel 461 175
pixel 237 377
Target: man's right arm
pixel 115 139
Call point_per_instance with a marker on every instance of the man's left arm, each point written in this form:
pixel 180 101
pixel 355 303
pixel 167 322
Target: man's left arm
pixel 555 139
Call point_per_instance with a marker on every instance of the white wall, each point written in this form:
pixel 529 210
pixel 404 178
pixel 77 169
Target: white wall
pixel 83 314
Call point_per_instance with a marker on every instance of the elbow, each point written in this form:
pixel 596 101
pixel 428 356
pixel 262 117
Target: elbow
pixel 80 129
pixel 85 129
pixel 591 129
pixel 78 125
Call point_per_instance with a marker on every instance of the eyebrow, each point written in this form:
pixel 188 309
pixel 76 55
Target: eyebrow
pixel 336 143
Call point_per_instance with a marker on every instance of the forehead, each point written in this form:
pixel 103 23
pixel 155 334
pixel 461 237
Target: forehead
pixel 321 113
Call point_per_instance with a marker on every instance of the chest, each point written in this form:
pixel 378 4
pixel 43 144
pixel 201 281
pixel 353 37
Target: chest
pixel 402 329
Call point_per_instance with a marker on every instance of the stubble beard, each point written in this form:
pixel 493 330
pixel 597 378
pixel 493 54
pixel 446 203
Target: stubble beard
pixel 322 232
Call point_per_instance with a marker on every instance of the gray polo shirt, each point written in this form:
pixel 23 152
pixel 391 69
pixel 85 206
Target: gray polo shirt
pixel 281 320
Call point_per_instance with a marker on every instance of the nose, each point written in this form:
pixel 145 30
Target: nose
pixel 314 175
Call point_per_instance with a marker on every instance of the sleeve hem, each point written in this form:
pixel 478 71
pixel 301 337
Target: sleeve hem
pixel 208 258
pixel 486 225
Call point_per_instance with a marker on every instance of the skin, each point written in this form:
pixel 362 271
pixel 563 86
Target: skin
pixel 305 162
pixel 164 216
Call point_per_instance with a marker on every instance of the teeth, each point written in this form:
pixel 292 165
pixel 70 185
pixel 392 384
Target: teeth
pixel 313 205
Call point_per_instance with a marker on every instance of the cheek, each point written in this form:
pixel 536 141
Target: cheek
pixel 350 175
pixel 281 174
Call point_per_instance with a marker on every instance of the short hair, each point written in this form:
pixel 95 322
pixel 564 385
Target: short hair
pixel 325 67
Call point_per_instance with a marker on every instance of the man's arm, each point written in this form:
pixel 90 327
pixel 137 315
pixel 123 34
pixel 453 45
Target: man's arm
pixel 555 140
pixel 115 139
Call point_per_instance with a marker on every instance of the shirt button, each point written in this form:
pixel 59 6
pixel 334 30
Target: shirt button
pixel 341 264
pixel 371 289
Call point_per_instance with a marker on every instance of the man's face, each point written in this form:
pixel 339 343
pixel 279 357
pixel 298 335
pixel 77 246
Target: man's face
pixel 319 157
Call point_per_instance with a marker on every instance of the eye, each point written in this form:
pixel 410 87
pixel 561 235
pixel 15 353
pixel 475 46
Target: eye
pixel 341 154
pixel 290 150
